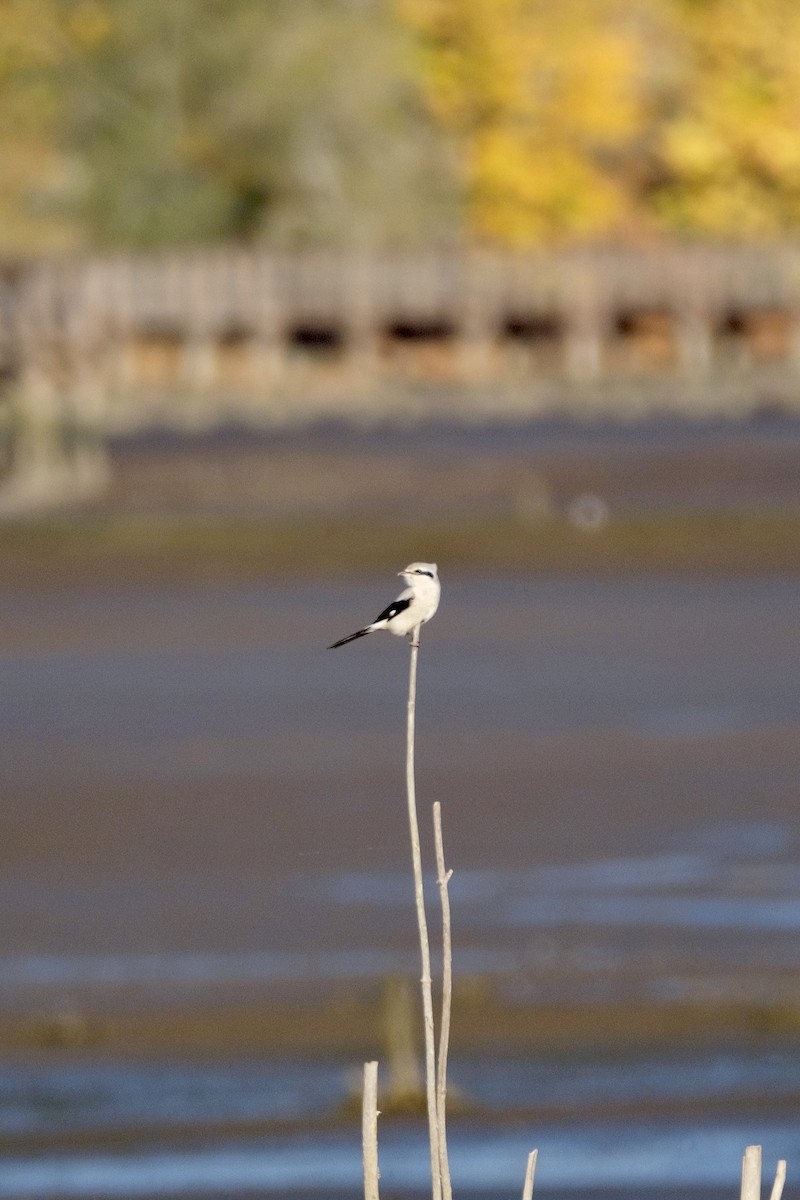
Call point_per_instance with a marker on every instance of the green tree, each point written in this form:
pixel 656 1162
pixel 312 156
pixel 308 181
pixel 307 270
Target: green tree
pixel 197 120
pixel 35 173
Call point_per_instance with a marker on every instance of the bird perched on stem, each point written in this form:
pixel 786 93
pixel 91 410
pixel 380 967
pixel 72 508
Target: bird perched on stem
pixel 415 605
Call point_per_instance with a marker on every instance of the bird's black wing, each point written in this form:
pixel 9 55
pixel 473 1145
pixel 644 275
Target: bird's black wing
pixel 392 610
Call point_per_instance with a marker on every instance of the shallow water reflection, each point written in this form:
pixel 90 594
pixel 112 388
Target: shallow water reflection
pixel 602 1155
pixel 73 1093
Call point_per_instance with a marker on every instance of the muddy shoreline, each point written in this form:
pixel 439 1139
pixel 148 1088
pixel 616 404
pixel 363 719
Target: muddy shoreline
pixel 152 550
pixel 354 1026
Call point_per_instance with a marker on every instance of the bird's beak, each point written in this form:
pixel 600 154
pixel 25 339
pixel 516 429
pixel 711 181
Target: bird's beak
pixel 401 573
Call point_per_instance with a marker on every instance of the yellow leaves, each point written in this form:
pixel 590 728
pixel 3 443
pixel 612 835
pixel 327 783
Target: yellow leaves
pixel 536 94
pixel 695 150
pixel 776 152
pixel 43 34
pixel 524 193
pixel 576 118
pixel 90 24
pixel 735 208
pixel 600 92
pixel 734 147
pixel 28 35
pixel 472 54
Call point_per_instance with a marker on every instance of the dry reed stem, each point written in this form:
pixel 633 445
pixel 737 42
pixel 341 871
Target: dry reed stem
pixel 424 944
pixel 527 1190
pixel 780 1180
pixel 751 1174
pixel 443 877
pixel 369 1131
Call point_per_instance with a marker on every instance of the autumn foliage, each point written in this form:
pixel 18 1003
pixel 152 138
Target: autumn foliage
pixel 518 122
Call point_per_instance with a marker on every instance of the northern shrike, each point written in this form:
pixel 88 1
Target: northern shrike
pixel 414 606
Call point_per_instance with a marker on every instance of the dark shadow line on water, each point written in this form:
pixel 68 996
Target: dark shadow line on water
pixel 711 1109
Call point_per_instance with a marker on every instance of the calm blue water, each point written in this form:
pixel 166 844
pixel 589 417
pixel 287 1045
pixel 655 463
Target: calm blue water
pixel 583 1153
pixel 717 919
pixel 69 1093
pixel 627 1158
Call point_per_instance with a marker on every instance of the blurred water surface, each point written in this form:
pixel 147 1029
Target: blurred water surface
pixel 635 1158
pixel 201 801
pixel 197 792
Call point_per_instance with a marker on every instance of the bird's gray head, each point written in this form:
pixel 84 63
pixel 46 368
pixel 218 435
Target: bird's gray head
pixel 419 568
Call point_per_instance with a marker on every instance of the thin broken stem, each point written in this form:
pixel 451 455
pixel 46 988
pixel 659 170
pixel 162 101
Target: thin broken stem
pixel 369 1131
pixel 443 877
pixel 751 1174
pixel 527 1190
pixel 780 1180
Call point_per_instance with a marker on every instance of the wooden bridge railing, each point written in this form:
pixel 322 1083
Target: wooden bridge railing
pixel 101 344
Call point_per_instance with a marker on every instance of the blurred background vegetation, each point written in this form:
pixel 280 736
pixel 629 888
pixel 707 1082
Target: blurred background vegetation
pixel 140 123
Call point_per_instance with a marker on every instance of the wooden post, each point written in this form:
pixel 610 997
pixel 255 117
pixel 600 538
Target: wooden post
pixel 404 1078
pixel 37 458
pixel 585 320
pixel 198 283
pixel 583 345
pixel 362 324
pixel 86 349
pixel 476 308
pixel 695 340
pixel 267 348
pixel 120 293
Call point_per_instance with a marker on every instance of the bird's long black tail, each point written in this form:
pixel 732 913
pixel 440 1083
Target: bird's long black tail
pixel 351 637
